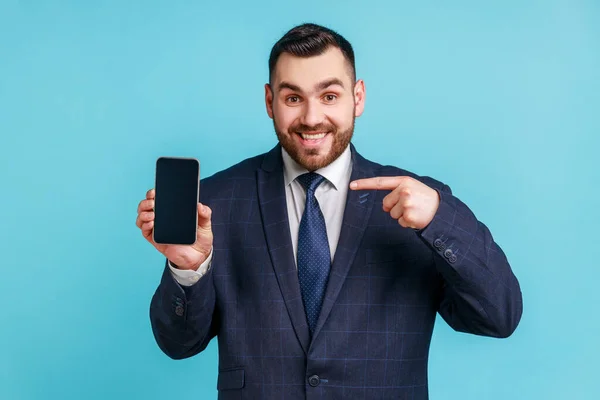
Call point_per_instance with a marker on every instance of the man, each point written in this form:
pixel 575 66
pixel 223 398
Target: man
pixel 319 271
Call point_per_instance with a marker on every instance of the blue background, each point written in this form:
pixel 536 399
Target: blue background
pixel 500 101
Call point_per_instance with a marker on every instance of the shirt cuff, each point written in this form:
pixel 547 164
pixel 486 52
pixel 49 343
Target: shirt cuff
pixel 187 277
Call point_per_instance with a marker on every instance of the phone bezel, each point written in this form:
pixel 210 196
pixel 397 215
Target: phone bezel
pixel 197 195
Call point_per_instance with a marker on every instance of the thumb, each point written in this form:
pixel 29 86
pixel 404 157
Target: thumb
pixel 204 214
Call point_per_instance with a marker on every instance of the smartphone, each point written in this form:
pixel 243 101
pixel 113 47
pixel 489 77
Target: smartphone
pixel 177 190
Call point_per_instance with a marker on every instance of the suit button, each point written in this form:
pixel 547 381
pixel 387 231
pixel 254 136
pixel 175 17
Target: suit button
pixel 439 244
pixel 452 259
pixel 314 380
pixel 448 253
pixel 179 311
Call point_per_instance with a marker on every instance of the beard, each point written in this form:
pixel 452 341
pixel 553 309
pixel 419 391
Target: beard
pixel 309 158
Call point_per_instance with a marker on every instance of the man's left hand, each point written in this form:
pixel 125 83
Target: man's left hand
pixel 411 202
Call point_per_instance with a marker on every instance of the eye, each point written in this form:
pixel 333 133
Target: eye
pixel 292 99
pixel 330 98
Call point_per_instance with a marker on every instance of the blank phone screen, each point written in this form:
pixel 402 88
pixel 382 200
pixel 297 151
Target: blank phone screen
pixel 176 200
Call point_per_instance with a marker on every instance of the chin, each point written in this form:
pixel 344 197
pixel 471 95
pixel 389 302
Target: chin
pixel 313 163
pixel 317 157
pixel 312 160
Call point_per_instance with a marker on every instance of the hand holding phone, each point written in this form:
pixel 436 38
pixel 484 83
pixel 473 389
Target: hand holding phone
pixel 171 217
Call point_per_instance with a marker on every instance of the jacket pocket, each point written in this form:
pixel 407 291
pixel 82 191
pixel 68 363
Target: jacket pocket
pixel 231 379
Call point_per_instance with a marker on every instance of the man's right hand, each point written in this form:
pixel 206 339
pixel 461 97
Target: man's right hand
pixel 180 256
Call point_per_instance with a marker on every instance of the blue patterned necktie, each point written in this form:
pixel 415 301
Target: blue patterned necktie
pixel 314 259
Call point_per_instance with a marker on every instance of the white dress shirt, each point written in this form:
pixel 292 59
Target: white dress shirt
pixel 331 195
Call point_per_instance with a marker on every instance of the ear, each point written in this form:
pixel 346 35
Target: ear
pixel 269 100
pixel 360 95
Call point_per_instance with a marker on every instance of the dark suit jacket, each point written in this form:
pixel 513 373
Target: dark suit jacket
pixel 385 287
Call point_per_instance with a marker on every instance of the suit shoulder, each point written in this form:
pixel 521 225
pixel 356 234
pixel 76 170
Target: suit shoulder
pixel 241 170
pixel 223 181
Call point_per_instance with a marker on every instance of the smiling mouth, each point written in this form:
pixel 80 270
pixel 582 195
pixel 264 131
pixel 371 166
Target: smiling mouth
pixel 312 136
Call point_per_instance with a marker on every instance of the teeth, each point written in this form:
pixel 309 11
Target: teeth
pixel 312 137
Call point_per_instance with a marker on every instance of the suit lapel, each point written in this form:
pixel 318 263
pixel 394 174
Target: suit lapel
pixel 273 208
pixel 359 204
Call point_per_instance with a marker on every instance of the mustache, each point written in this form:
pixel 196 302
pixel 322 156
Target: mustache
pixel 301 128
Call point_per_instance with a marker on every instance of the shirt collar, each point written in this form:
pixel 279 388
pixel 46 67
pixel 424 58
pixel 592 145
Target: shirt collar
pixel 335 172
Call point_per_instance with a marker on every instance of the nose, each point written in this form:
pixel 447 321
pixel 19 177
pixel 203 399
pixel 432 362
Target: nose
pixel 313 115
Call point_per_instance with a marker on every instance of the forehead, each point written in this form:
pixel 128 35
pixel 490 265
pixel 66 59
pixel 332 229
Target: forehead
pixel 307 71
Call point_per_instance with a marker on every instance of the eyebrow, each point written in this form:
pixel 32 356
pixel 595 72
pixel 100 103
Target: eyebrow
pixel 318 87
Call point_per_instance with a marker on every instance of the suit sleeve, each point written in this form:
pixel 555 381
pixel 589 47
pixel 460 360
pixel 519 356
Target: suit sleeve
pixel 480 293
pixel 183 318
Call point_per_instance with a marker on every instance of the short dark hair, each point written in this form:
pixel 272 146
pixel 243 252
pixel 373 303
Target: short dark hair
pixel 308 40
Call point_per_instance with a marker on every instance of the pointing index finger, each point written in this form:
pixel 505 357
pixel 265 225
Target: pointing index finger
pixel 377 183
